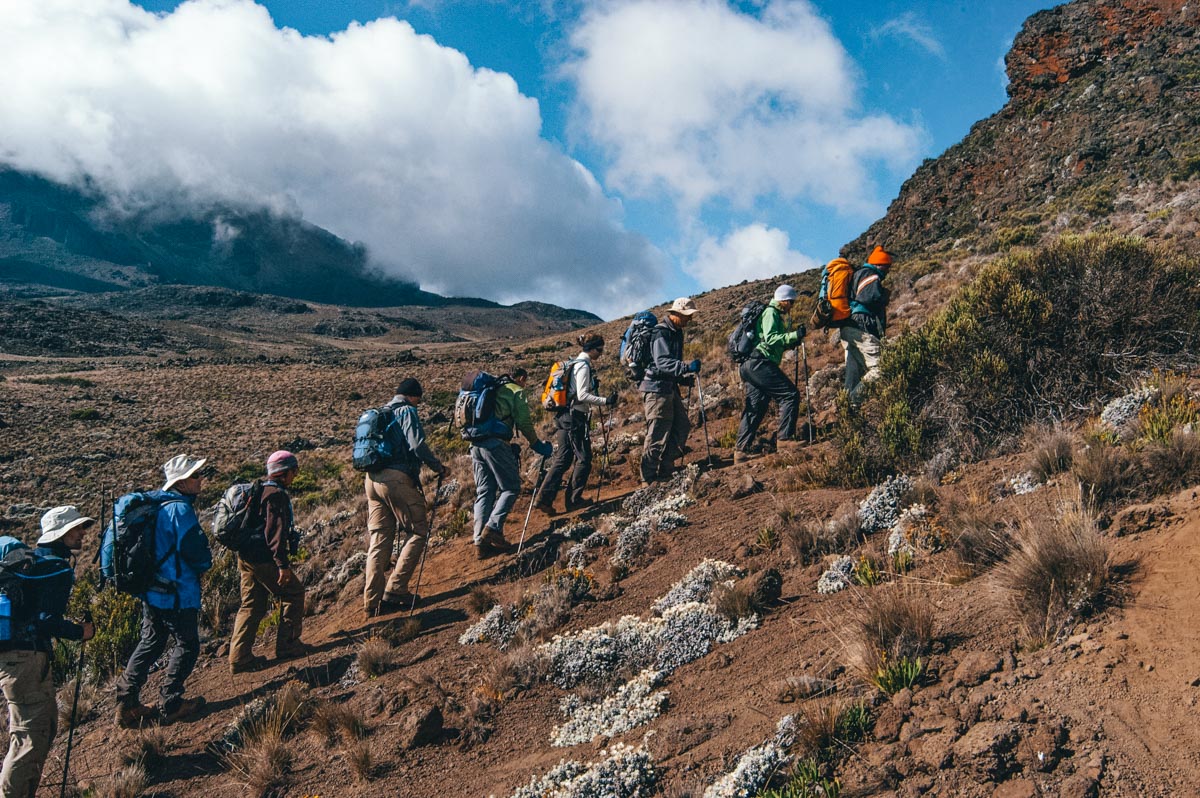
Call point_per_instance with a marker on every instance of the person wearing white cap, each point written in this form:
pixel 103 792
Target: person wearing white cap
pixel 171 608
pixel 764 380
pixel 667 423
pixel 26 677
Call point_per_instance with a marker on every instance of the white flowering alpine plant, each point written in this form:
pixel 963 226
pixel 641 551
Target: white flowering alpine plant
pixel 698 584
pixel 621 772
pixel 882 507
pixel 837 577
pixel 635 703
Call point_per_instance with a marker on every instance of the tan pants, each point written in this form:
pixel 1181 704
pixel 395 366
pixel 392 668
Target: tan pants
pixel 394 503
pixel 259 583
pixel 862 359
pixel 32 720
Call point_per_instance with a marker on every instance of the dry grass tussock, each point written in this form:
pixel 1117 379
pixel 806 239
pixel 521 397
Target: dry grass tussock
pixel 518 670
pixel 892 625
pixel 262 761
pixel 810 539
pixel 128 782
pixel 978 535
pixel 1058 572
pixel 1107 474
pixel 89 698
pixel 1052 451
pixel 1175 463
pixel 146 747
pixel 480 600
pixel 376 656
pixel 329 721
pixel 360 760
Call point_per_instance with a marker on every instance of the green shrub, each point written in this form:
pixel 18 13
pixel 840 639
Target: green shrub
pixel 167 435
pixel 807 780
pixel 85 414
pixel 1036 332
pixel 117 617
pixel 1157 420
pixel 74 382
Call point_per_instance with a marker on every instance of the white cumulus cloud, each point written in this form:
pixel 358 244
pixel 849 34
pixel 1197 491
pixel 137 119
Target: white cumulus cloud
pixel 698 100
pixel 749 253
pixel 376 133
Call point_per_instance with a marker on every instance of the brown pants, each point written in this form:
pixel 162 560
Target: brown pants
pixel 259 583
pixel 394 503
pixel 32 720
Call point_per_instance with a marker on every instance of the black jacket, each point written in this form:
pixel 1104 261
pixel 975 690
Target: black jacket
pixel 667 369
pixel 868 308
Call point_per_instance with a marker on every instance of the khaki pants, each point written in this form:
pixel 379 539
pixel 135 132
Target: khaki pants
pixel 394 503
pixel 667 429
pixel 32 720
pixel 862 359
pixel 260 581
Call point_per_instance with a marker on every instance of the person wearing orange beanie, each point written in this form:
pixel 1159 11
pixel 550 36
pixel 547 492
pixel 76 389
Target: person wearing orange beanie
pixel 868 321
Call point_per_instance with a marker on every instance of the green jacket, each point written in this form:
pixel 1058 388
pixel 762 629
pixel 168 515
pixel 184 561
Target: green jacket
pixel 774 337
pixel 512 409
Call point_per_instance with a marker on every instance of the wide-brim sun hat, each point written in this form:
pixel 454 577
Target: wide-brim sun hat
pixel 180 467
pixel 785 293
pixel 58 521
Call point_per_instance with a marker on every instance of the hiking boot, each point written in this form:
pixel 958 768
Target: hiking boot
pixel 497 542
pixel 133 716
pixel 484 550
pixel 297 649
pixel 743 457
pixel 254 663
pixel 397 602
pixel 186 708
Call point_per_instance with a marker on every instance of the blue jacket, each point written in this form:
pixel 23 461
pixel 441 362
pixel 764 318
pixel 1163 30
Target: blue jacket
pixel 181 549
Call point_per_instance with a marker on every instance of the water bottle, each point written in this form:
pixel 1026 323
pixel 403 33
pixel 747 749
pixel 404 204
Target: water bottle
pixel 5 618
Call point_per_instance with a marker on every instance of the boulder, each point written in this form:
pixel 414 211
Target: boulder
pixel 975 668
pixel 987 748
pixel 422 724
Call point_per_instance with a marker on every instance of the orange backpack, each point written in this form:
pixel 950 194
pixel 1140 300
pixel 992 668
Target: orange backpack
pixel 556 394
pixel 833 303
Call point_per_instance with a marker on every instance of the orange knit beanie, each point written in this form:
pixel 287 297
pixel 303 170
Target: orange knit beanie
pixel 880 257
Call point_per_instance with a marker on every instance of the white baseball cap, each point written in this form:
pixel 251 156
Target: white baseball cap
pixel 59 521
pixel 785 293
pixel 179 467
pixel 684 306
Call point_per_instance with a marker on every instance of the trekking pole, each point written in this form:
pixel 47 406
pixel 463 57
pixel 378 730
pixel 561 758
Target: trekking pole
pixel 703 419
pixel 537 491
pixel 71 731
pixel 604 468
pixel 421 568
pixel 807 397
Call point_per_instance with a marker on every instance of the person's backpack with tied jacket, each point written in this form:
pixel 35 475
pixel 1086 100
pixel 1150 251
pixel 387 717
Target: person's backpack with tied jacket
pixel 868 305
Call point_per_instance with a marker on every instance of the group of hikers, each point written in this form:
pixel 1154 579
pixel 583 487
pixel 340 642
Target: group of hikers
pixel 155 547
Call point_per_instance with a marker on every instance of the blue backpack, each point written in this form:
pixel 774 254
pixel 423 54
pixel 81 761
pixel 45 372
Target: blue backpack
pixel 127 550
pixel 23 575
pixel 635 345
pixel 372 448
pixel 475 408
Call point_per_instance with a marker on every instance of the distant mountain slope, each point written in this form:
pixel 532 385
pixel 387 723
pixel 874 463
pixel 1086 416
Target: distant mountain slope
pixel 1102 129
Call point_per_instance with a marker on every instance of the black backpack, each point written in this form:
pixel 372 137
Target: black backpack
pixel 23 576
pixel 475 408
pixel 744 338
pixel 127 550
pixel 372 449
pixel 239 520
pixel 635 345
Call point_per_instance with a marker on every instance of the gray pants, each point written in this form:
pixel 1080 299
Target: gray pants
pixel 497 483
pixel 667 429
pixel 862 359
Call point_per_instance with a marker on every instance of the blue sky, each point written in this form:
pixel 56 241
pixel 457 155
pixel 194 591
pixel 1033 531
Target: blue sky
pixel 606 154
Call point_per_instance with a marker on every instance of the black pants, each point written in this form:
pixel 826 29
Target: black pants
pixel 157 626
pixel 765 381
pixel 572 444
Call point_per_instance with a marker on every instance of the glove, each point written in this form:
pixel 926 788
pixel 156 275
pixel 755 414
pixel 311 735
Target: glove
pixel 694 366
pixel 611 401
pixel 543 448
pixel 801 331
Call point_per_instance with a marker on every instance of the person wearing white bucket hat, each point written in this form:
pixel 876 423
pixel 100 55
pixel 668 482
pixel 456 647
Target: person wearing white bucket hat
pixel 171 607
pixel 25 674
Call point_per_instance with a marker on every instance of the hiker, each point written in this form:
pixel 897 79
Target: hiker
pixel 764 380
pixel 25 673
pixel 395 503
pixel 573 441
pixel 667 423
pixel 264 564
pixel 868 320
pixel 171 607
pixel 496 466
